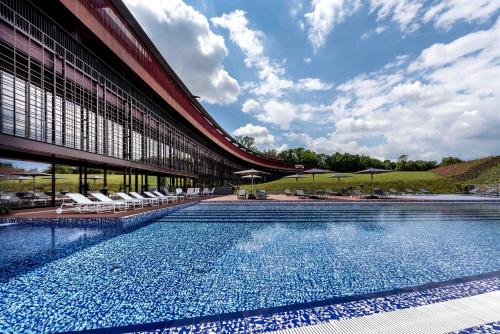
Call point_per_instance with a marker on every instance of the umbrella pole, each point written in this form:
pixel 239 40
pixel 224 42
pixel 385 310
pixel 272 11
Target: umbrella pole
pixel 252 186
pixel 371 175
pixel 314 185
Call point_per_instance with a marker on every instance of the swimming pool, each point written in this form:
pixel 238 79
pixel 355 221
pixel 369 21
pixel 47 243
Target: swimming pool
pixel 218 258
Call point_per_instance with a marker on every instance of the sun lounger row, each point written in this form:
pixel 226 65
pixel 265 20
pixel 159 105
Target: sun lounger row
pixel 353 193
pixel 81 204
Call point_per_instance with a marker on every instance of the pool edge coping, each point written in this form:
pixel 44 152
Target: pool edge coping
pixel 298 307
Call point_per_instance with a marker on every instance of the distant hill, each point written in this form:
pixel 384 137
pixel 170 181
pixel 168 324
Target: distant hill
pixel 468 170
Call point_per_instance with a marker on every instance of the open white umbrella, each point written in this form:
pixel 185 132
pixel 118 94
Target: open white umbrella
pixel 315 171
pixel 251 177
pixel 296 177
pixel 373 171
pixel 250 173
pixel 339 176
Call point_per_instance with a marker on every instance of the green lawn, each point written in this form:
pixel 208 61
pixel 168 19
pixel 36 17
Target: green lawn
pixel 397 180
pixel 69 183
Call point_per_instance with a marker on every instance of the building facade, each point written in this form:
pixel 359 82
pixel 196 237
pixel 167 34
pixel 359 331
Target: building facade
pixel 82 84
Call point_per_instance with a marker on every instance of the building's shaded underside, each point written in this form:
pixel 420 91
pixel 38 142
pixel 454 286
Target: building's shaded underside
pixel 81 84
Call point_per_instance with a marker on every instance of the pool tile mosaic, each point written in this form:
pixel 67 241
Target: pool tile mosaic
pixel 203 267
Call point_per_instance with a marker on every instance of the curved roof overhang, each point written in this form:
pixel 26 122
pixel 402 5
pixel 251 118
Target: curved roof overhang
pixel 160 76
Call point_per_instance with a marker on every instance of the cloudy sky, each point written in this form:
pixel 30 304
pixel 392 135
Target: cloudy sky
pixel 378 77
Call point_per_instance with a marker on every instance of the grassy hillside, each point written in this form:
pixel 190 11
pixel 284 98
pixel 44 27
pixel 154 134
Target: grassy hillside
pixel 489 176
pixel 468 170
pixel 398 180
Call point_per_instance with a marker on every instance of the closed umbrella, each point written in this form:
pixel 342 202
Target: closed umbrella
pixel 315 171
pixel 373 171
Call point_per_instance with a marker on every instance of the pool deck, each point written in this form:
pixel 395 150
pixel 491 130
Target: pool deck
pixel 405 198
pixel 50 212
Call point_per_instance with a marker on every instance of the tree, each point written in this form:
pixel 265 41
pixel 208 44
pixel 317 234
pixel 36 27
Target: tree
pixel 449 161
pixel 271 152
pixel 401 164
pixel 247 141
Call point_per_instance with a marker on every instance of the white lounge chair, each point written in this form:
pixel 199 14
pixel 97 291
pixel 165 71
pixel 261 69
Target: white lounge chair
pixel 242 194
pixel 152 201
pixel 105 199
pixel 206 192
pixel 131 200
pixel 81 204
pixel 190 193
pixel 212 191
pixel 172 197
pixel 162 199
pixel 261 194
pixel 179 193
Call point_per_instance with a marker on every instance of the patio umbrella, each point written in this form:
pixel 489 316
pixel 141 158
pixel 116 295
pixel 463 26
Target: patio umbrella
pixel 315 171
pixel 373 171
pixel 250 172
pixel 94 177
pixel 339 176
pixel 24 178
pixel 251 177
pixel 29 175
pixel 296 177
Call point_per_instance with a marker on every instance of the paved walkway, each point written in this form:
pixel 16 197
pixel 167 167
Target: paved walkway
pixel 445 317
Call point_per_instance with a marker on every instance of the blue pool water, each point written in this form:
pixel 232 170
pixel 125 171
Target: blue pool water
pixel 218 258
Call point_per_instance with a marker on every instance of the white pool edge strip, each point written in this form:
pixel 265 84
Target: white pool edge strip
pixel 443 317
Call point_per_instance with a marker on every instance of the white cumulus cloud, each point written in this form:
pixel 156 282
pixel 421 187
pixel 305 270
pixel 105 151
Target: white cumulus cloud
pixel 323 17
pixel 263 137
pixel 184 37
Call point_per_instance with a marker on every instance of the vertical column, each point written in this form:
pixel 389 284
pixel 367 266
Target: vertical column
pixel 80 184
pixel 54 85
pixel 105 140
pixel 96 118
pixel 105 180
pixel 136 188
pixel 53 184
pixel 85 181
pixel 63 104
pixel 129 180
pixel 124 180
pixel 27 97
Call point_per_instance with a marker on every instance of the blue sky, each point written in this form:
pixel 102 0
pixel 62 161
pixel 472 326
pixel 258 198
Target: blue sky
pixel 378 77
